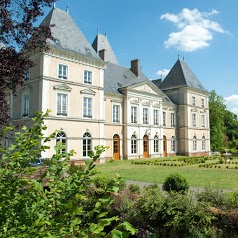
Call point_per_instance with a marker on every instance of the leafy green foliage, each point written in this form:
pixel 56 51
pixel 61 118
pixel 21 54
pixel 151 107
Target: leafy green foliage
pixel 175 183
pixel 60 207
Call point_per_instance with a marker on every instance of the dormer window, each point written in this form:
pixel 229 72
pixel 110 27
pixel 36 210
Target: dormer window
pixel 62 72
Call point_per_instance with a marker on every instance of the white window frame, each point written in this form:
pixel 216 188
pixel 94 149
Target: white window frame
pixel 27 75
pixel 172 116
pixel 164 118
pixel 133 144
pixel 145 115
pixel 62 75
pixel 87 111
pixel 134 111
pixel 63 140
pixel 193 100
pixel 25 104
pixel 156 117
pixel 62 112
pixel 202 102
pixel 203 143
pixel 156 144
pixel 194 119
pixel 87 77
pixel 203 120
pixel 194 143
pixel 115 113
pixel 87 142
pixel 173 143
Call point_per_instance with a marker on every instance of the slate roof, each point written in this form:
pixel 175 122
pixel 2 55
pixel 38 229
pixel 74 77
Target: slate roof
pixel 118 77
pixel 101 43
pixel 181 76
pixel 66 33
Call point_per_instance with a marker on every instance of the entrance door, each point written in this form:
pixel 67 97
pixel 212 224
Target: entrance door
pixel 116 147
pixel 146 146
pixel 165 145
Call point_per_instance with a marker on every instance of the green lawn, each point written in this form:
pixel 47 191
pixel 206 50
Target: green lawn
pixel 197 177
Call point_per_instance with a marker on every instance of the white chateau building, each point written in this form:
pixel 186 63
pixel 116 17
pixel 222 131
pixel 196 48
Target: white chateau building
pixel 94 100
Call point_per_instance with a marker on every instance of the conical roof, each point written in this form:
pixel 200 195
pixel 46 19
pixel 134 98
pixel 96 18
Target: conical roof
pixel 101 43
pixel 66 33
pixel 181 76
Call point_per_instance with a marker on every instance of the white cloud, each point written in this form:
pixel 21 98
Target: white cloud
pixel 162 73
pixel 232 103
pixel 194 29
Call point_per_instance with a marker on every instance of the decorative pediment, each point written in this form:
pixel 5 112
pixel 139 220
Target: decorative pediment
pixel 63 87
pixel 146 103
pixel 203 111
pixel 88 91
pixel 145 88
pixel 194 110
pixel 156 105
pixel 134 101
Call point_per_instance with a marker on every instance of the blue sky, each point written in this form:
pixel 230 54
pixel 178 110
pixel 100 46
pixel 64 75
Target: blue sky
pixel 204 32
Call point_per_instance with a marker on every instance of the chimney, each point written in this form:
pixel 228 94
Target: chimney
pixel 102 54
pixel 135 67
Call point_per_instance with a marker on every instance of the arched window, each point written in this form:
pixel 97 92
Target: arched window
pixel 62 138
pixel 156 143
pixel 172 143
pixel 87 144
pixel 133 144
pixel 203 143
pixel 194 143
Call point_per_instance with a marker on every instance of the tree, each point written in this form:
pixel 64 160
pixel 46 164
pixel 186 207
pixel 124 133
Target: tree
pixel 29 210
pixel 217 126
pixel 17 19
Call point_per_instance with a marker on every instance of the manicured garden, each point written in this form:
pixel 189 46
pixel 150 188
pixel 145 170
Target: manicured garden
pixel 204 172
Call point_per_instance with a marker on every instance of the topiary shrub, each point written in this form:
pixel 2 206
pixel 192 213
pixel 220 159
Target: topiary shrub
pixel 176 183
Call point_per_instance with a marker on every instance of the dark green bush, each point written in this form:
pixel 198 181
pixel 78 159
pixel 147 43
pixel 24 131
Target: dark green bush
pixel 176 183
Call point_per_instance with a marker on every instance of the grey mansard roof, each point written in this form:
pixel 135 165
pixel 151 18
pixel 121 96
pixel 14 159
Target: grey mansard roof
pixel 181 76
pixel 117 76
pixel 101 43
pixel 66 33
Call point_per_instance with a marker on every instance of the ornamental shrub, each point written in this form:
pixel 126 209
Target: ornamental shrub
pixel 175 183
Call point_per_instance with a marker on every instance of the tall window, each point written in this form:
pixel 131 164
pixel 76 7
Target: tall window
pixel 116 113
pixel 202 103
pixel 62 104
pixel 133 144
pixel 25 105
pixel 156 143
pixel 172 119
pixel 194 119
pixel 87 144
pixel 133 114
pixel 156 117
pixel 87 77
pixel 164 118
pixel 61 137
pixel 62 72
pixel 27 76
pixel 193 101
pixel 203 143
pixel 145 115
pixel 203 121
pixel 172 143
pixel 194 143
pixel 87 107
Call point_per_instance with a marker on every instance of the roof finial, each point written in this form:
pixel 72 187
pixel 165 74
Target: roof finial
pixel 97 31
pixel 183 58
pixel 161 76
pixel 106 34
pixel 178 56
pixel 54 5
pixel 67 7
